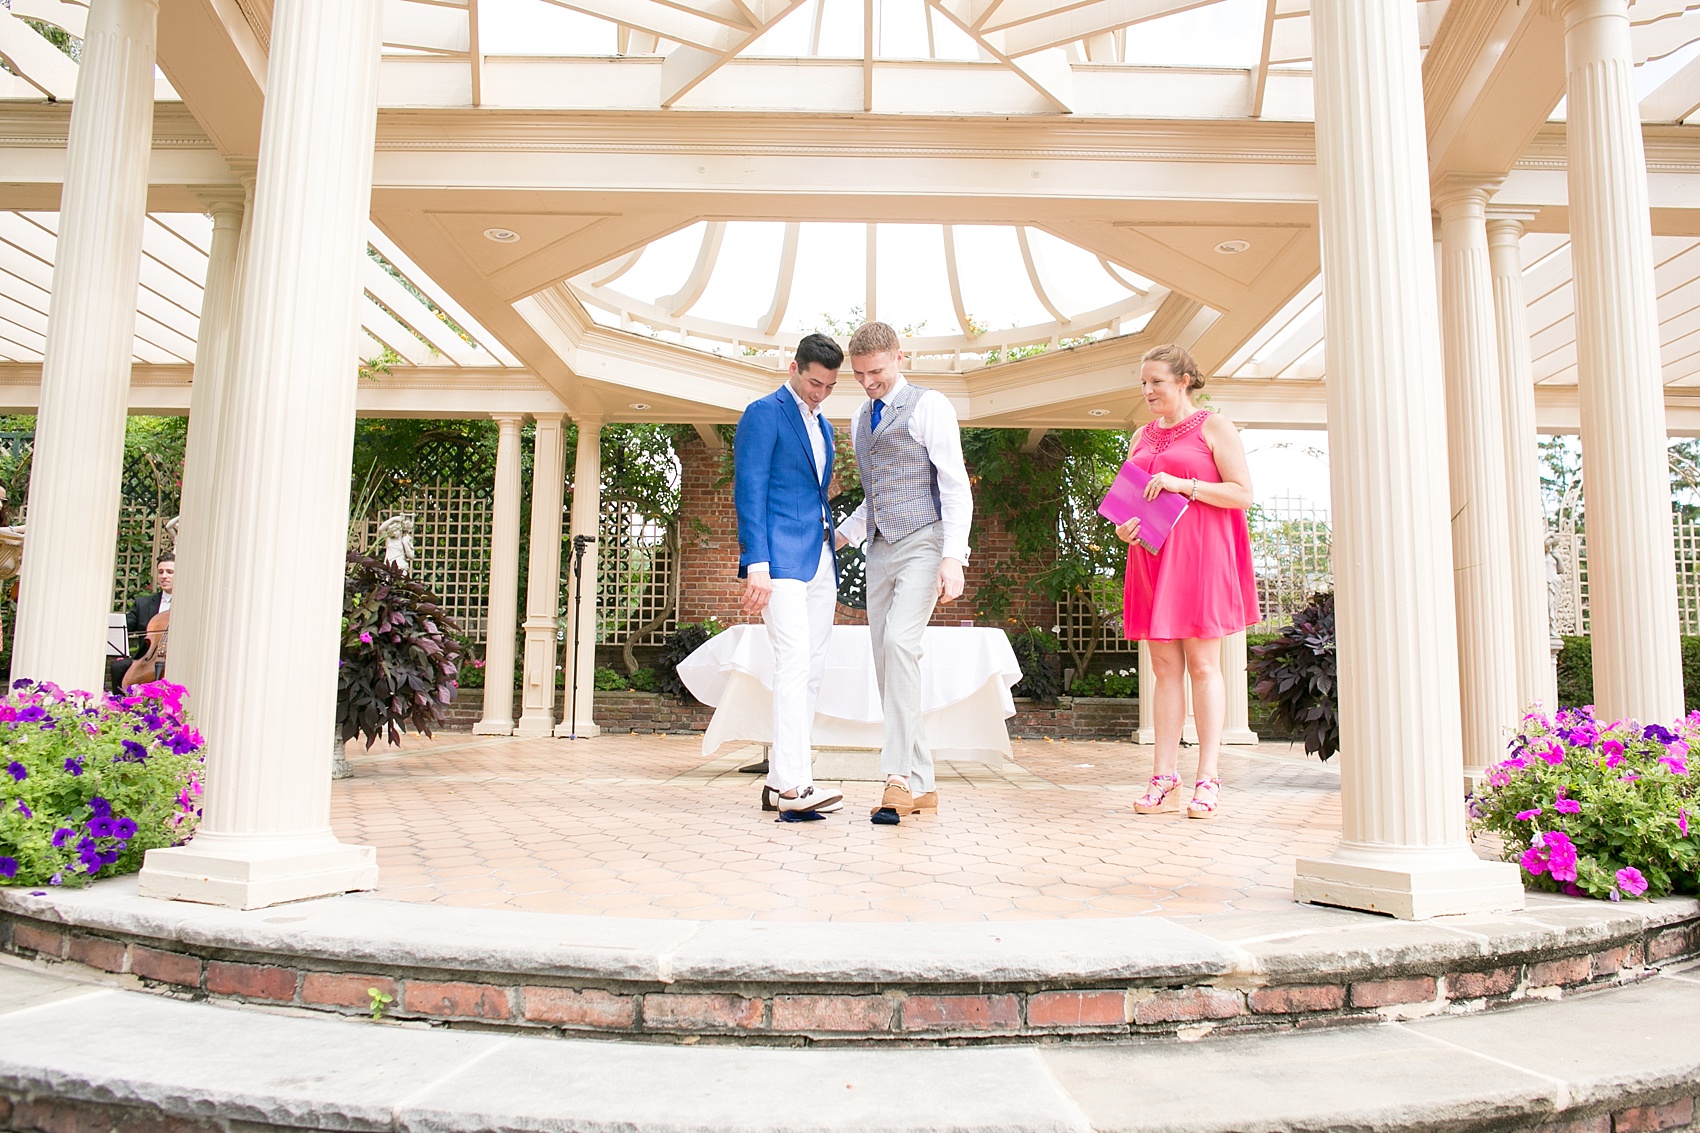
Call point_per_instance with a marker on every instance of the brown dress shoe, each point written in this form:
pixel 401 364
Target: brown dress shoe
pixel 895 799
pixel 928 802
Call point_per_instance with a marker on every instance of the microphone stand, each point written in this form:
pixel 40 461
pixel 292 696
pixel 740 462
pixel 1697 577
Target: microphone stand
pixel 580 542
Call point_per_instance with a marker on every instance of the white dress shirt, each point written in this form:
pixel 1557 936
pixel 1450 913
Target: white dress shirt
pixel 817 444
pixel 933 425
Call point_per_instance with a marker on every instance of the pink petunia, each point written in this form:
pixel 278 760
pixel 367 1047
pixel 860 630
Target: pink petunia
pixel 1613 760
pixel 1561 856
pixel 1553 753
pixel 1528 815
pixel 1629 880
pixel 1682 821
pixel 1533 861
pixel 1675 764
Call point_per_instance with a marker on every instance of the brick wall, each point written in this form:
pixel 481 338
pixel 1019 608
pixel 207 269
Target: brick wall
pixel 709 585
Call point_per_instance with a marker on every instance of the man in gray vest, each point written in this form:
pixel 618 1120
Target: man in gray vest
pixel 914 517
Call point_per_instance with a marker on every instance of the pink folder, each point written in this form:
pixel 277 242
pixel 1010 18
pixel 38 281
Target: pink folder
pixel 1156 517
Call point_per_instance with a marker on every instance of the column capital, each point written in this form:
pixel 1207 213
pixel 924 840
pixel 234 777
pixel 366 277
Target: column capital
pixel 550 420
pixel 587 421
pixel 1573 12
pixel 1509 219
pixel 1459 192
pixel 508 418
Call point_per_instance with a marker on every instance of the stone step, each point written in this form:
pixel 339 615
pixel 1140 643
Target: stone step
pixel 76 1054
pixel 794 983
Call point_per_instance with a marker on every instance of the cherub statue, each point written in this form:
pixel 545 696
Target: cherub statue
pixel 397 535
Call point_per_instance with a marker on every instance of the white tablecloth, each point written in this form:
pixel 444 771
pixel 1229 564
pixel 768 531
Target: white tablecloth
pixel 966 675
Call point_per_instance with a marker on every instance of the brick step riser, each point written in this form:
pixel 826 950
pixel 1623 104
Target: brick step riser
pixel 796 1013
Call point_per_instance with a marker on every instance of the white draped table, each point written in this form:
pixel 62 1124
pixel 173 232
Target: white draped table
pixel 966 675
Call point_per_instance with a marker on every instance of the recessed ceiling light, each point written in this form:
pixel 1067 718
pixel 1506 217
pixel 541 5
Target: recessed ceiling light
pixel 1097 412
pixel 640 405
pixel 509 236
pixel 1233 247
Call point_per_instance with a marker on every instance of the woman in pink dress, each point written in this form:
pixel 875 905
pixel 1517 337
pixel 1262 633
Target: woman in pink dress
pixel 1199 588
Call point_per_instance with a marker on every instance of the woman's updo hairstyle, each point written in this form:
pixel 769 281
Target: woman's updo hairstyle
pixel 1178 361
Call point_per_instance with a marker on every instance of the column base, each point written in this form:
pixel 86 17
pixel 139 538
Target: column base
pixel 1243 737
pixel 586 731
pixel 253 872
pixel 535 727
pixel 493 728
pixel 1409 885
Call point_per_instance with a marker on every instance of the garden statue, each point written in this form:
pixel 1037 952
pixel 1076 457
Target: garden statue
pixel 397 535
pixel 11 550
pixel 1556 590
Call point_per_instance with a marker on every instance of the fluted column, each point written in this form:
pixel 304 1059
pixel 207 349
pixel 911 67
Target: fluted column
pixel 1631 560
pixel 577 722
pixel 498 719
pixel 543 580
pixel 75 482
pixel 214 348
pixel 1236 692
pixel 278 564
pixel 1403 849
pixel 1475 427
pixel 1525 519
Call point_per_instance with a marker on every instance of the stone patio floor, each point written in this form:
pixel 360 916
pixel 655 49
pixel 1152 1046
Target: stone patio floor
pixel 646 826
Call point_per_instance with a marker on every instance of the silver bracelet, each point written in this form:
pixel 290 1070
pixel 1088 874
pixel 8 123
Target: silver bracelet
pixel 1193 495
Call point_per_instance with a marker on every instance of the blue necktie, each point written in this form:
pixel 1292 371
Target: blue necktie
pixel 879 407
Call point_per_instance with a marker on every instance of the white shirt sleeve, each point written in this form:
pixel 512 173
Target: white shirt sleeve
pixel 854 527
pixel 933 424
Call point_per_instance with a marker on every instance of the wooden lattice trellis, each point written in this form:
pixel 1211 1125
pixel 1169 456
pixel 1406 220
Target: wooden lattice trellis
pixel 634 576
pixel 142 538
pixel 451 542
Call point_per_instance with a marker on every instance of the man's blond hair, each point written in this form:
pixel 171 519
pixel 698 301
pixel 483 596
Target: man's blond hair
pixel 874 338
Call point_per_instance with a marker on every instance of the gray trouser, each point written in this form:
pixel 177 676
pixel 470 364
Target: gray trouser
pixel 903 586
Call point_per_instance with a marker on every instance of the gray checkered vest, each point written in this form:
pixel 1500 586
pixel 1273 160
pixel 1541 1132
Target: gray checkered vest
pixel 898 480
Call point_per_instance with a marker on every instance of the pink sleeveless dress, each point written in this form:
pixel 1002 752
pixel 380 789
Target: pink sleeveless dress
pixel 1201 583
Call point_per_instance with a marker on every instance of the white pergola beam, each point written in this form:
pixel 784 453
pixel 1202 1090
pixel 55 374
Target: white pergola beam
pixel 36 61
pixel 62 14
pixel 427 27
pixel 1676 98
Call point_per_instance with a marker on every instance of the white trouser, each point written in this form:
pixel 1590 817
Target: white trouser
pixel 799 626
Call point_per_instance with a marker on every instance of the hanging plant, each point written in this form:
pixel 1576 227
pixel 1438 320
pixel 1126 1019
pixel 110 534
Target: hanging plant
pixel 401 654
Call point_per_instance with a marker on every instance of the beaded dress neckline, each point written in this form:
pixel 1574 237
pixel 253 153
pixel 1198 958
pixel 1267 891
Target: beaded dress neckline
pixel 1161 437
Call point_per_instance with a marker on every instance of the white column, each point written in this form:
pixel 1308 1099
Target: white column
pixel 1475 428
pixel 1236 692
pixel 543 580
pixel 214 350
pixel 1525 519
pixel 1631 560
pixel 278 564
pixel 587 522
pixel 1404 849
pixel 498 717
pixel 66 586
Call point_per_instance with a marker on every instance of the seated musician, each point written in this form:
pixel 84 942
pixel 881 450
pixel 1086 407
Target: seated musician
pixel 140 613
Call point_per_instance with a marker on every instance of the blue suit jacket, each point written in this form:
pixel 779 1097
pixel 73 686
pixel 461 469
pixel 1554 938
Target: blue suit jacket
pixel 779 497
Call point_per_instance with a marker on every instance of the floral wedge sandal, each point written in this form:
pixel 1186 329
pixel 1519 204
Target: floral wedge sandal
pixel 1206 794
pixel 1156 798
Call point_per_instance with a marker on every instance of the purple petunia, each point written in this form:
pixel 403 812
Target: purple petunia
pixel 8 868
pixel 32 713
pixel 102 827
pixel 125 829
pixel 16 771
pixel 61 836
pixel 24 809
pixel 133 750
pixel 73 766
pixel 1629 880
pixel 1658 732
pixel 100 807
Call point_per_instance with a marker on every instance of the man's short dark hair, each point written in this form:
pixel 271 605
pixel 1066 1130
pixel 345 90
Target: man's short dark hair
pixel 818 350
pixel 168 557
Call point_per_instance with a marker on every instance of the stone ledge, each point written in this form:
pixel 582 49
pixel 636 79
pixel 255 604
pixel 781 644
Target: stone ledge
pixel 837 983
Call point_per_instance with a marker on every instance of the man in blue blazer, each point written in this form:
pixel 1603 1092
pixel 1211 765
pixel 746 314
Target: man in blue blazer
pixel 782 462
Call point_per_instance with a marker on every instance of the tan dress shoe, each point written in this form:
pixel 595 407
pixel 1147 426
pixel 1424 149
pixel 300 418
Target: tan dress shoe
pixel 896 799
pixel 928 802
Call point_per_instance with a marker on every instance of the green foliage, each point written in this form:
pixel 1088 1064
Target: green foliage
pixel 681 643
pixel 1123 683
pixel 379 365
pixel 400 654
pixel 88 785
pixel 610 680
pixel 1049 503
pixel 1296 676
pixel 379 1002
pixel 1036 653
pixel 645 679
pixel 1606 811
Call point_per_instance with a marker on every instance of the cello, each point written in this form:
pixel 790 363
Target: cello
pixel 150 666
